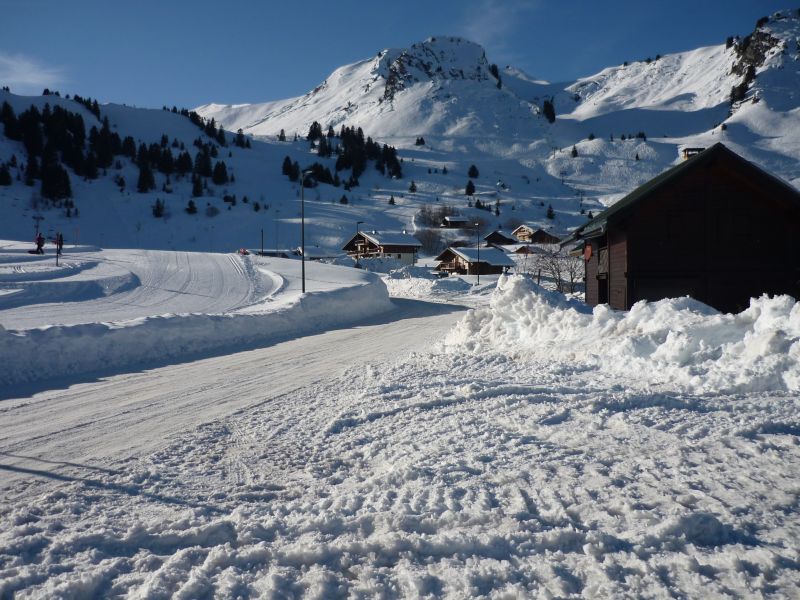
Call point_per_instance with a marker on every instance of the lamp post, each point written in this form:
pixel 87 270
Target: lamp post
pixel 357 232
pixel 478 264
pixel 303 227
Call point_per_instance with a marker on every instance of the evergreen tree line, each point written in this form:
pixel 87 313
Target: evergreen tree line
pixel 210 128
pixel 49 137
pixel 352 152
pixel 55 136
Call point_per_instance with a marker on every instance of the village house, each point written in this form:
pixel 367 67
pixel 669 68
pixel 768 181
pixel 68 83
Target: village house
pixel 526 233
pixel 715 227
pixel 499 238
pixel 453 222
pixel 400 246
pixel 474 261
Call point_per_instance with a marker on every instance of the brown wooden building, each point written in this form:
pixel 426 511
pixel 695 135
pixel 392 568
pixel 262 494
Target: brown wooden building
pixel 499 238
pixel 526 233
pixel 715 227
pixel 371 244
pixel 474 261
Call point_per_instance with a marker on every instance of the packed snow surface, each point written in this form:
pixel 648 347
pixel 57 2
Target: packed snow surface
pixel 542 449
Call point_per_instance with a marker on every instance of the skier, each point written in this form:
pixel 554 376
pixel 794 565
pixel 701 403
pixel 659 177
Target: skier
pixel 40 243
pixel 59 242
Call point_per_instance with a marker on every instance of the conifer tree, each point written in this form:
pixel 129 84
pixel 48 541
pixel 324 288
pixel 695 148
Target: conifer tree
pixel 473 172
pixel 202 164
pixel 286 168
pixel 90 166
pixel 5 175
pixel 549 111
pixel 146 181
pixel 220 175
pixel 240 140
pixel 470 189
pixel 184 163
pixel 574 152
pixel 197 186
pixel 31 170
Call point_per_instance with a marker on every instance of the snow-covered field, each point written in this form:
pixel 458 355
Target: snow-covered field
pixel 531 448
pixel 115 309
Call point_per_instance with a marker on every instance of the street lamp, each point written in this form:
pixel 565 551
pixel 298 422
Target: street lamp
pixel 357 224
pixel 303 227
pixel 478 264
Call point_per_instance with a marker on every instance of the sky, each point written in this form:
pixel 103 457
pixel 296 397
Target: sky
pixel 150 53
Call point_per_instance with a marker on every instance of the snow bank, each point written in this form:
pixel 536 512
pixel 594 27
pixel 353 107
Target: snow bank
pixel 63 350
pixel 422 282
pixel 682 342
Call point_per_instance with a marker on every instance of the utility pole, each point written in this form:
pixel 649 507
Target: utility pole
pixel 303 228
pixel 478 264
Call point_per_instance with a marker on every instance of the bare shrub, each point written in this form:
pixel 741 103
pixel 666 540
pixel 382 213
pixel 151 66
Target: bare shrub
pixel 433 215
pixel 431 240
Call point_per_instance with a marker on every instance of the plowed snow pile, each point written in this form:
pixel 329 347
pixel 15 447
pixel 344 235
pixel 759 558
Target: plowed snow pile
pixel 679 343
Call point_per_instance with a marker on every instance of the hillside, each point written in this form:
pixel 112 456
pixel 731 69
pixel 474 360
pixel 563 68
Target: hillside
pixel 626 124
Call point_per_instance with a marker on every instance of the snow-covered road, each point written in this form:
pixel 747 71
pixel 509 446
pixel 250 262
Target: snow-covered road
pixel 130 415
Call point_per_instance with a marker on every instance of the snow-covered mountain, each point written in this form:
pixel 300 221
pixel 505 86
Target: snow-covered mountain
pixel 612 132
pixel 443 86
pixel 444 89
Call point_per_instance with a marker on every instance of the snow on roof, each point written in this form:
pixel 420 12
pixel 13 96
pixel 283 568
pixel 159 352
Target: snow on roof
pixel 488 255
pixel 392 238
pixel 513 248
pixel 450 219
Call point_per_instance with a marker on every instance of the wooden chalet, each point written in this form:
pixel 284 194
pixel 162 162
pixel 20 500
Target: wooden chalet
pixel 400 246
pixel 498 238
pixel 525 233
pixel 474 261
pixel 453 222
pixel 715 227
pixel 688 153
pixel 520 249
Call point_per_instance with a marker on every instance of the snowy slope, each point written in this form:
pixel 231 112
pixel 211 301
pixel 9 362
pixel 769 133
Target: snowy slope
pixel 444 90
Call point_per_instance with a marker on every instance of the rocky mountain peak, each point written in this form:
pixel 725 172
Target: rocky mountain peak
pixel 435 59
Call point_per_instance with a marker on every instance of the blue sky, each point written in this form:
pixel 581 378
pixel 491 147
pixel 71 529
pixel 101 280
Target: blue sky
pixel 149 53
